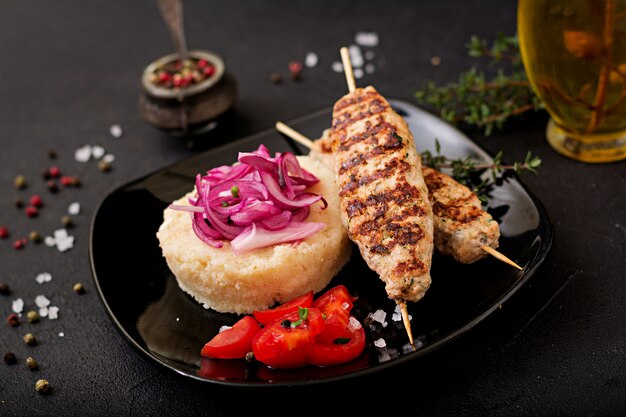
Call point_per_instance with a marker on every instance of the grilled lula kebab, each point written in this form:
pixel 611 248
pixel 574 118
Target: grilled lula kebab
pixel 384 200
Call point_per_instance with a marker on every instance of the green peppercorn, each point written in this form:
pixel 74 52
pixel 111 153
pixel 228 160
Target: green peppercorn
pixel 67 221
pixel 30 339
pixel 32 316
pixel 104 166
pixel 35 236
pixel 79 288
pixel 31 363
pixel 10 358
pixel 20 182
pixel 42 386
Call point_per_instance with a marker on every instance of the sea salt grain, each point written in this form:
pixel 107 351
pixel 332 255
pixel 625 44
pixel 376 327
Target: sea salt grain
pixel 61 334
pixel 61 240
pixel 379 316
pixel 311 59
pixel 356 56
pixel 74 208
pixel 43 312
pixel 366 38
pixel 17 306
pixel 83 154
pixel 108 158
pixel 42 301
pixel 380 343
pixel 43 277
pixel 53 313
pixel 97 152
pixel 116 131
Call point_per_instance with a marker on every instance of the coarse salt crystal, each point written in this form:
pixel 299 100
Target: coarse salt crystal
pixel 337 66
pixel 224 328
pixel 65 243
pixel 97 152
pixel 42 301
pixel 116 131
pixel 49 241
pixel 108 158
pixel 356 56
pixel 60 234
pixel 74 208
pixel 53 313
pixel 379 315
pixel 83 154
pixel 43 311
pixel 380 343
pixel 17 306
pixel 366 38
pixel 353 323
pixel 43 277
pixel 311 59
pixel 383 355
pixel 61 334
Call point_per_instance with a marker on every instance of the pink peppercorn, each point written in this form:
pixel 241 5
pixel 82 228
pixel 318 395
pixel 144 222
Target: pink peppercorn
pixel 18 244
pixel 4 232
pixel 208 71
pixel 202 63
pixel 36 201
pixel 31 211
pixel 54 172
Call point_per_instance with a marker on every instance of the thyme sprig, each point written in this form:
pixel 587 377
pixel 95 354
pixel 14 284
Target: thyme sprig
pixel 469 172
pixel 481 100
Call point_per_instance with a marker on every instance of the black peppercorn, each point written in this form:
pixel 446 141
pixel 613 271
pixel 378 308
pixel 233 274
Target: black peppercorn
pixel 4 289
pixel 10 358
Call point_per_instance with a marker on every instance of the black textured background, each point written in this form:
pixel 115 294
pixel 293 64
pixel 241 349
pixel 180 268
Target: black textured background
pixel 70 69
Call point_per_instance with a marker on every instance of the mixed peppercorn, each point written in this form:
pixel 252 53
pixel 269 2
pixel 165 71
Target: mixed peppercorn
pixel 181 74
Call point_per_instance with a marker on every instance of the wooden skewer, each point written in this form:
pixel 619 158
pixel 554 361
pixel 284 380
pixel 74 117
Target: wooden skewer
pixel 491 251
pixel 347 68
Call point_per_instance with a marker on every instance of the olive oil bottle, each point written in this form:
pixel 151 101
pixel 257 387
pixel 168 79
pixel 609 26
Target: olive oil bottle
pixel 574 54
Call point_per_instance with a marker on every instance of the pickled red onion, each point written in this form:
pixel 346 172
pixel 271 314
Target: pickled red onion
pixel 258 202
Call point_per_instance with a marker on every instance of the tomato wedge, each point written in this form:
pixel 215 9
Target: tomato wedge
pixel 344 349
pixel 233 343
pixel 282 343
pixel 335 305
pixel 267 316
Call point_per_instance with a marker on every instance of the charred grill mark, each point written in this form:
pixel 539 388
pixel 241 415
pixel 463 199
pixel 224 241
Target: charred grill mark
pixel 395 165
pixel 411 267
pixel 353 99
pixel 376 106
pixel 458 213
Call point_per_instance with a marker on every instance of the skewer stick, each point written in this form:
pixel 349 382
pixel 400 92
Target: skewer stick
pixel 297 136
pixel 347 68
pixel 491 251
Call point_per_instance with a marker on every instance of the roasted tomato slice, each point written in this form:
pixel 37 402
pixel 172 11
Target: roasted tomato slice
pixel 343 349
pixel 335 305
pixel 269 315
pixel 233 343
pixel 282 343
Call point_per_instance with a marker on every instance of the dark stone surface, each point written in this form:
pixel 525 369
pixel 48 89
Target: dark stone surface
pixel 71 69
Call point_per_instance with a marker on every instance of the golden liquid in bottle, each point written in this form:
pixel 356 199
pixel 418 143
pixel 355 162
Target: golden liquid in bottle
pixel 574 53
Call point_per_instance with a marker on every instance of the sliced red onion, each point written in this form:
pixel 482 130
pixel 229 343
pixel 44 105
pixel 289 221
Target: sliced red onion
pixel 258 201
pixel 255 237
